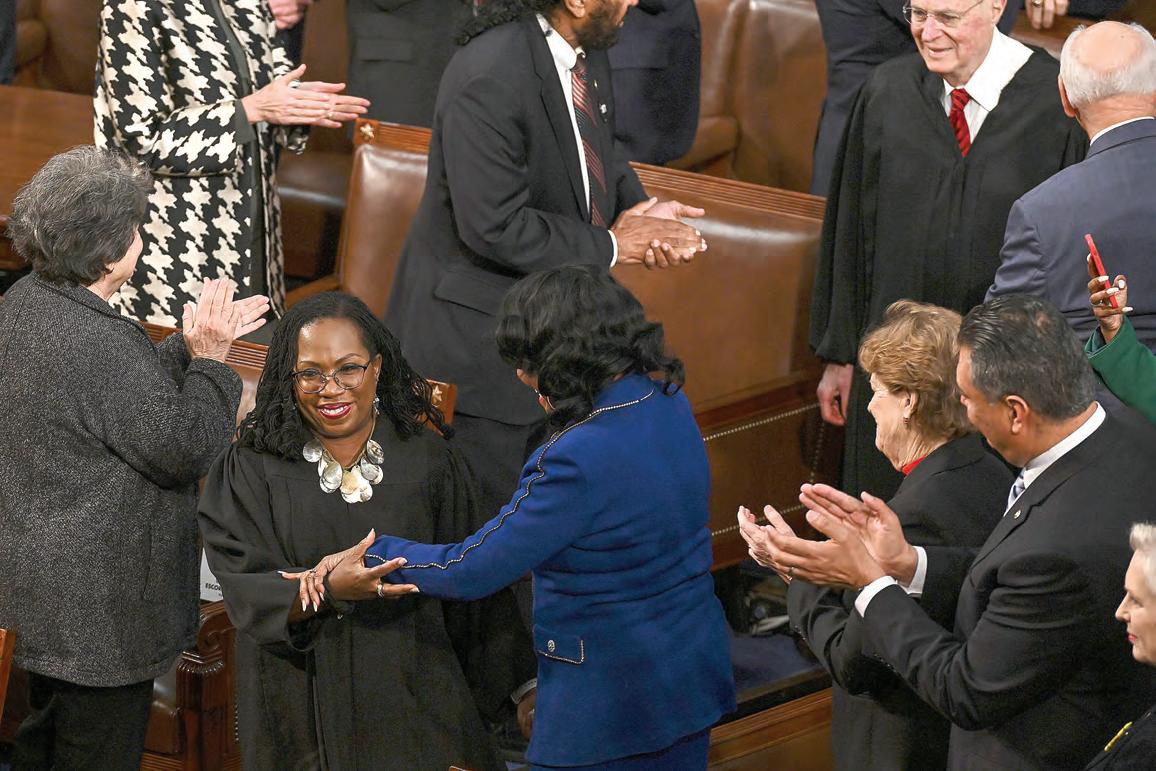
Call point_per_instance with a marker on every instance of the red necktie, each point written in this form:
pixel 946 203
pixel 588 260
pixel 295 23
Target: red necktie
pixel 959 98
pixel 584 114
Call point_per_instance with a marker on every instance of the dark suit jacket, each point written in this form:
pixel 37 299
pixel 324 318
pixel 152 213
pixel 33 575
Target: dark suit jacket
pixel 859 35
pixel 1110 194
pixel 656 65
pixel 953 498
pixel 398 50
pixel 503 198
pixel 1037 674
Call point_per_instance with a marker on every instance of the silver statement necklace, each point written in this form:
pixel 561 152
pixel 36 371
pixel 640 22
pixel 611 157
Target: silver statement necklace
pixel 355 483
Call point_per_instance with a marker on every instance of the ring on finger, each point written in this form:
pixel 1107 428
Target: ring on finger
pixel 381 590
pixel 791 572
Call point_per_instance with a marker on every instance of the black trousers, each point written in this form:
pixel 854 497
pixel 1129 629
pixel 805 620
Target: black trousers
pixel 496 453
pixel 76 727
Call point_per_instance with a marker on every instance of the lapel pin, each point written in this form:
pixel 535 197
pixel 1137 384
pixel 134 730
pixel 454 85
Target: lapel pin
pixel 602 107
pixel 1017 514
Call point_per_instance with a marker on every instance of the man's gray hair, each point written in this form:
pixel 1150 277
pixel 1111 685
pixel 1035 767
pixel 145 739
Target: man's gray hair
pixel 1022 345
pixel 1143 539
pixel 1086 83
pixel 79 214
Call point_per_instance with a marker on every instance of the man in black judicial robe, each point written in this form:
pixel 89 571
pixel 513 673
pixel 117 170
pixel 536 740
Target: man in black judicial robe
pixel 910 216
pixel 859 35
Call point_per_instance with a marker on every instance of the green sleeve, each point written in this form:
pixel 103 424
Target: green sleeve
pixel 1127 367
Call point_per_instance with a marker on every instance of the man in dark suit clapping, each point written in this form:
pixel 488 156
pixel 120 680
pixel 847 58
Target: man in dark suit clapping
pixel 523 176
pixel 1033 675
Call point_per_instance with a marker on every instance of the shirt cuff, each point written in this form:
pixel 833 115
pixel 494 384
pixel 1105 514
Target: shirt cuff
pixel 915 588
pixel 614 247
pixel 245 131
pixel 524 689
pixel 869 592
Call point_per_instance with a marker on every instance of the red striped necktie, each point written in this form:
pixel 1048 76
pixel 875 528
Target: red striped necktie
pixel 959 99
pixel 584 115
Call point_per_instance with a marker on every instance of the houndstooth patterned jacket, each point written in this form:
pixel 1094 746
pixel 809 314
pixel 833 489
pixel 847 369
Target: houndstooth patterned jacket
pixel 167 92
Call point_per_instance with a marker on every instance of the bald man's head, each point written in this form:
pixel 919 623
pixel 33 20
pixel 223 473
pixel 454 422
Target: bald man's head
pixel 1110 61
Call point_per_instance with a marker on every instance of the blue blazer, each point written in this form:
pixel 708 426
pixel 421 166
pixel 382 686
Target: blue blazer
pixel 611 517
pixel 1110 194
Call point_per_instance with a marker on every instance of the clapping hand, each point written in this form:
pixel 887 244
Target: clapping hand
pixel 671 210
pixel 758 537
pixel 1043 13
pixel 286 101
pixel 841 561
pixel 1100 292
pixel 288 13
pixel 211 324
pixel 871 520
pixel 656 241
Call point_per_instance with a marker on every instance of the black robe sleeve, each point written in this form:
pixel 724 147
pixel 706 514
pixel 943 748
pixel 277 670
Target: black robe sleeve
pixel 245 555
pixel 843 273
pixel 488 635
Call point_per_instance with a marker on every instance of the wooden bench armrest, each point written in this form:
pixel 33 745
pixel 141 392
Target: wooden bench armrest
pixel 324 284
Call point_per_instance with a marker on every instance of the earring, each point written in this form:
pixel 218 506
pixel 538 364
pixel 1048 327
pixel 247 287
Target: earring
pixel 906 419
pixel 377 405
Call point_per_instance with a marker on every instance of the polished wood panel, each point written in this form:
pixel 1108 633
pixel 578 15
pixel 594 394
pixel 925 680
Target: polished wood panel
pixel 795 735
pixel 7 645
pixel 34 126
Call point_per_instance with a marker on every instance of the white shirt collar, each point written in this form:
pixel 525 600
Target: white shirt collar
pixel 1004 59
pixel 1104 131
pixel 565 57
pixel 1041 462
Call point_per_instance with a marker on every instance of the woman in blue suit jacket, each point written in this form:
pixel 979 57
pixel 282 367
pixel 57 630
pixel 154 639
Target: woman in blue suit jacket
pixel 611 517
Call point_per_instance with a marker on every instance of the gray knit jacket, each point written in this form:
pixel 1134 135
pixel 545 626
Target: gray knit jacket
pixel 102 439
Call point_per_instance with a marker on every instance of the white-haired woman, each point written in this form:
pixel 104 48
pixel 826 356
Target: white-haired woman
pixel 1135 744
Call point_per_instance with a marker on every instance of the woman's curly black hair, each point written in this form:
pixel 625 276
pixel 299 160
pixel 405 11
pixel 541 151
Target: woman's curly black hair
pixel 275 426
pixel 578 329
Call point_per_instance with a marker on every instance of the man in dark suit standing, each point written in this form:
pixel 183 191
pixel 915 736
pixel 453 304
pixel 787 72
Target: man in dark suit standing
pixel 1034 675
pixel 1108 84
pixel 398 50
pixel 656 65
pixel 523 176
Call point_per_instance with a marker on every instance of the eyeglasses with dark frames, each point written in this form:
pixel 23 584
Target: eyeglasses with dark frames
pixel 313 381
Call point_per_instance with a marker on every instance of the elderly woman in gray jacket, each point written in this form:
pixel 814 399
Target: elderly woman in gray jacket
pixel 103 439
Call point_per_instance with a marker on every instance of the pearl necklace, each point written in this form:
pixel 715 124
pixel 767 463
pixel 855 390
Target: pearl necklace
pixel 355 483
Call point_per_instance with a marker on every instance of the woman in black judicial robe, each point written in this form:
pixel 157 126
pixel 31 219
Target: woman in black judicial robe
pixel 908 216
pixel 953 493
pixel 376 683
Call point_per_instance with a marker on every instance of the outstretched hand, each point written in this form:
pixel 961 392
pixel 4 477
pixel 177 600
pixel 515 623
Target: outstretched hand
pixel 349 579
